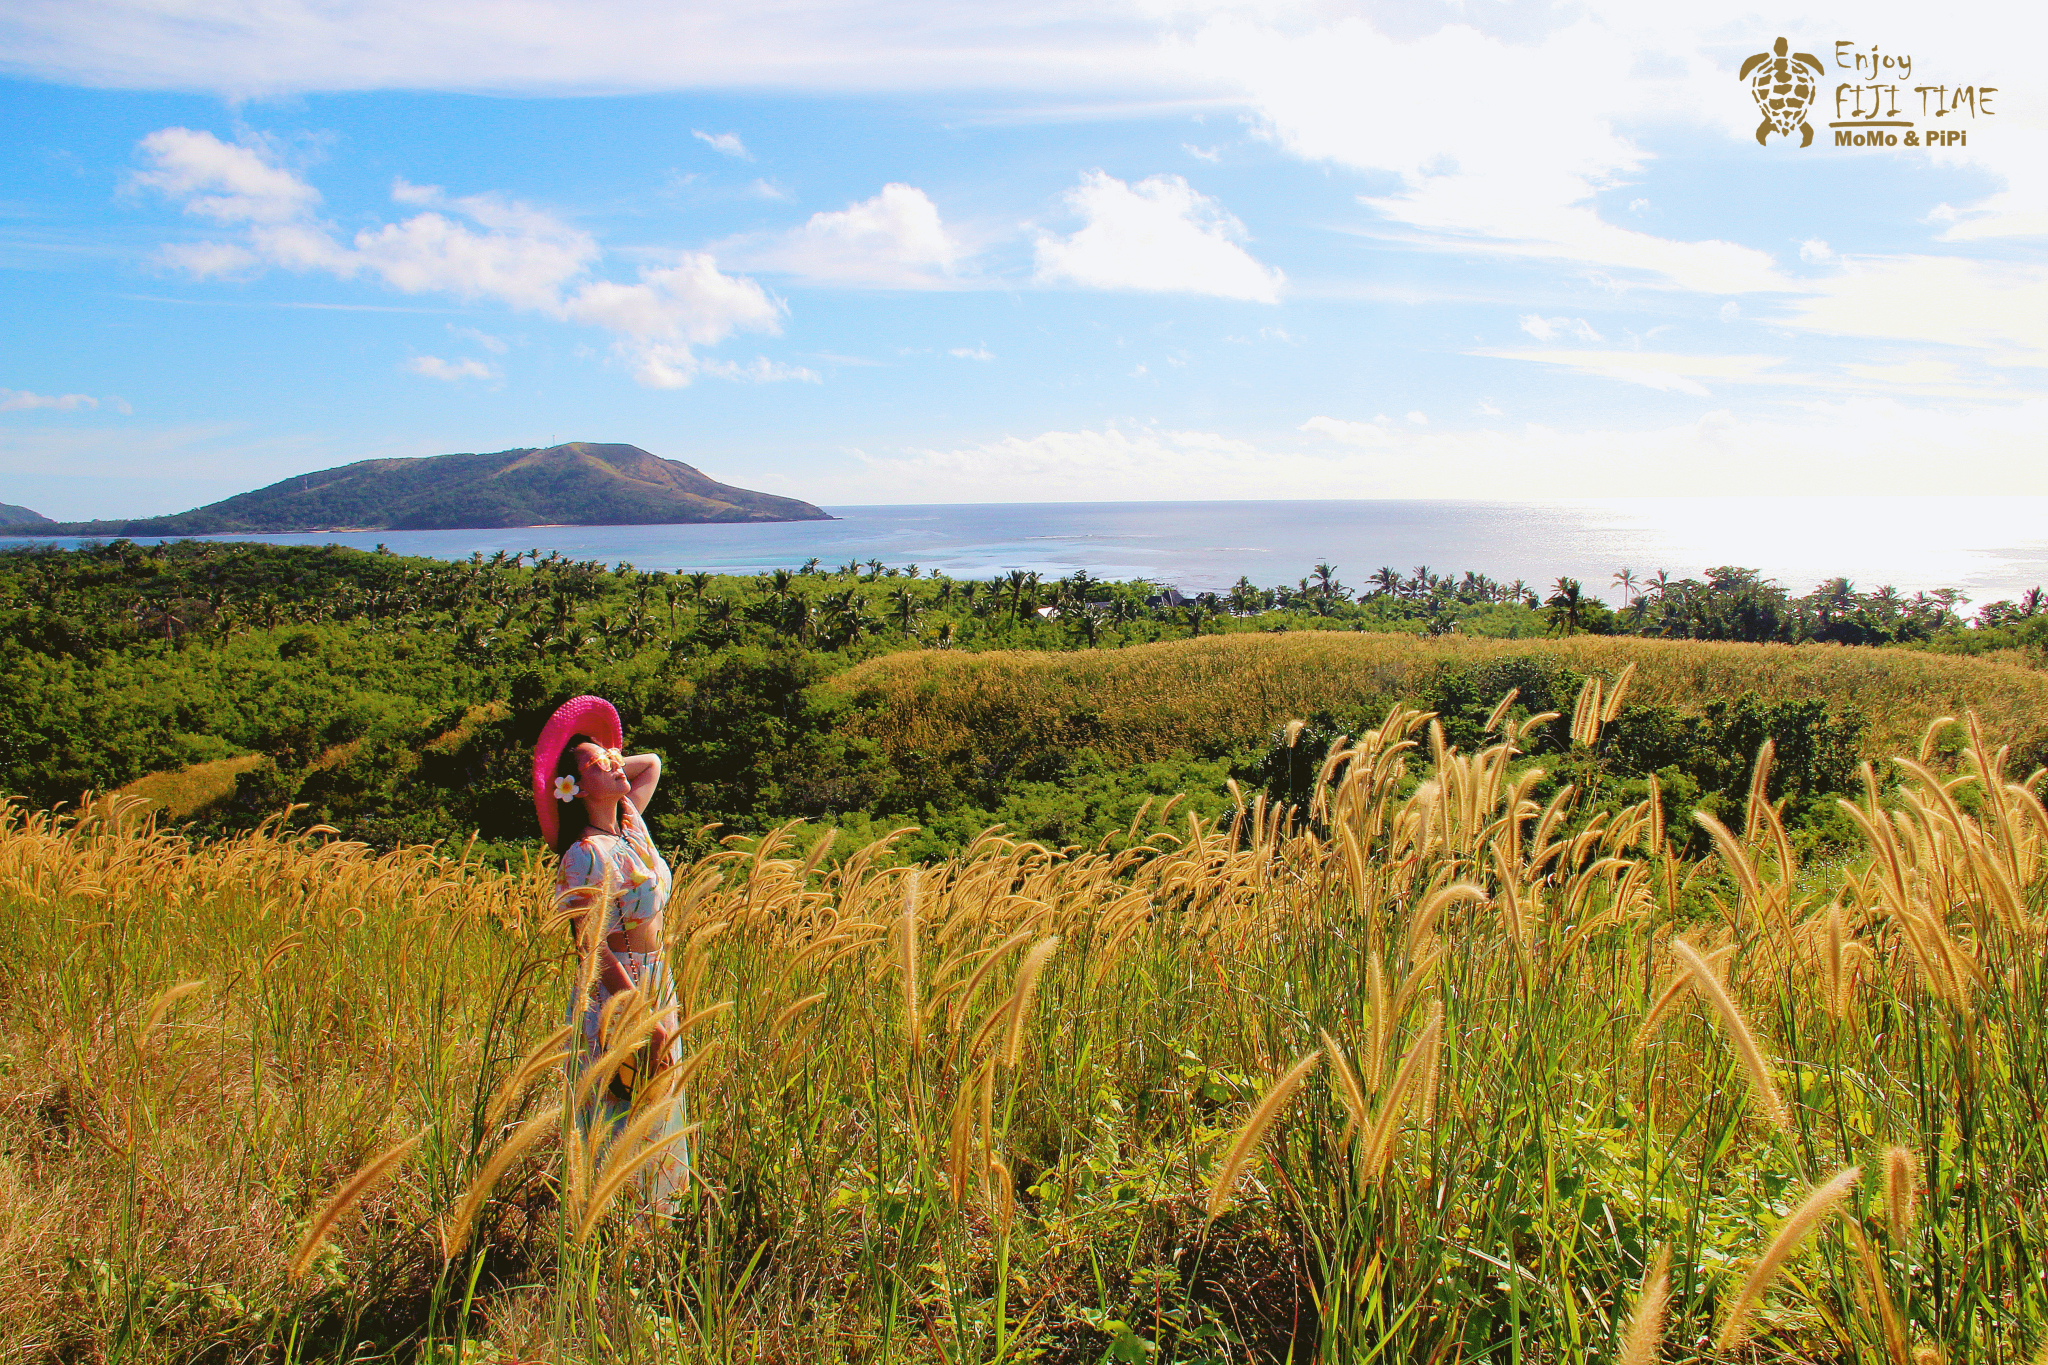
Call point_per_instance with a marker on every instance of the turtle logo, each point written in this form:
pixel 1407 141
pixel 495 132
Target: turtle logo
pixel 1782 90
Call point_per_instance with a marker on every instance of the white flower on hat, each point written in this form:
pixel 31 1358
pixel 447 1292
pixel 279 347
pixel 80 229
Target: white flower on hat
pixel 566 789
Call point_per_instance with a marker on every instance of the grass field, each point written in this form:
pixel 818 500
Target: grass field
pixel 1220 692
pixel 184 792
pixel 1439 1076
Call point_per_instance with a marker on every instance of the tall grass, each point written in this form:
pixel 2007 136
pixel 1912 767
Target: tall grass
pixel 1378 1081
pixel 1151 702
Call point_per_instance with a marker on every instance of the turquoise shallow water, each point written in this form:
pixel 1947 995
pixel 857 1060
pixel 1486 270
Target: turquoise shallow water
pixel 1988 547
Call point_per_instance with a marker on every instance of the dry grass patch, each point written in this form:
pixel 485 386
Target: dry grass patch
pixel 182 794
pixel 1212 694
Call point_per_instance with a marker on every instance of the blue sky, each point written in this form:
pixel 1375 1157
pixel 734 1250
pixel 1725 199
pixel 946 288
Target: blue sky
pixel 890 253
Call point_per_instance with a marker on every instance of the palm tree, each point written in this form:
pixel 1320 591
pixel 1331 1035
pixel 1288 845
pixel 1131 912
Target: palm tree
pixel 907 608
pixel 1016 582
pixel 699 583
pixel 874 568
pixel 798 618
pixel 1626 581
pixel 1567 604
pixel 720 616
pixel 2030 601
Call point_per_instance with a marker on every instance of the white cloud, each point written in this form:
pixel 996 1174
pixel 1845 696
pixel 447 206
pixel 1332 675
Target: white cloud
pixel 403 191
pixel 494 344
pixel 227 182
pixel 1549 329
pixel 208 260
pixel 691 301
pixel 475 247
pixel 1864 442
pixel 1730 311
pixel 895 240
pixel 761 370
pixel 2000 307
pixel 522 257
pixel 1518 138
pixel 972 352
pixel 19 400
pixel 1813 249
pixel 1665 371
pixel 1672 372
pixel 434 367
pixel 669 311
pixel 1352 433
pixel 1158 235
pixel 1420 419
pixel 728 143
pixel 1094 465
pixel 583 46
pixel 1209 154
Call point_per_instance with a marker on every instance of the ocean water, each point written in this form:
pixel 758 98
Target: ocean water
pixel 1987 547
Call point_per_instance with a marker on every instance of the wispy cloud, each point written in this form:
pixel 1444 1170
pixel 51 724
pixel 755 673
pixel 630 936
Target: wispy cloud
pixel 728 143
pixel 21 400
pixel 434 367
pixel 1550 329
pixel 1351 433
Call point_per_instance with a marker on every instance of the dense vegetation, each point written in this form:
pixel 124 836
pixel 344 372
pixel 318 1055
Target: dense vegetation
pixel 1434 1070
pixel 1402 1036
pixel 395 698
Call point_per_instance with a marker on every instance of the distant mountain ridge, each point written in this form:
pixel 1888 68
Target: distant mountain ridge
pixel 578 484
pixel 13 515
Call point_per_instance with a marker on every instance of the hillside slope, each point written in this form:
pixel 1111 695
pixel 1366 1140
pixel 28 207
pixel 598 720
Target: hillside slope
pixel 13 515
pixel 1213 694
pixel 577 484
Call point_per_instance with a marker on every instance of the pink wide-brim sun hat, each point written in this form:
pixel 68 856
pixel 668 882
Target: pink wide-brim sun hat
pixel 593 716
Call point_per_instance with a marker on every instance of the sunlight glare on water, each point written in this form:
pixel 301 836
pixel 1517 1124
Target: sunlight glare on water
pixel 1987 547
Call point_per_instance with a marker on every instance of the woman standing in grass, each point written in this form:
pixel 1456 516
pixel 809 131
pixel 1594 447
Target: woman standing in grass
pixel 590 798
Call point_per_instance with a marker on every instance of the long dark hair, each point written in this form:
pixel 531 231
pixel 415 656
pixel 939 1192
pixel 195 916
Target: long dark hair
pixel 574 817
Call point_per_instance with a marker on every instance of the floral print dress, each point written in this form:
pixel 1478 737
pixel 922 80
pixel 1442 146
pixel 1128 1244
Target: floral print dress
pixel 638 878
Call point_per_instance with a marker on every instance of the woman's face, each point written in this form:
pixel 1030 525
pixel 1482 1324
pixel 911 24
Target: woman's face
pixel 600 773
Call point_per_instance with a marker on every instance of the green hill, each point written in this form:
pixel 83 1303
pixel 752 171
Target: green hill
pixel 11 515
pixel 578 484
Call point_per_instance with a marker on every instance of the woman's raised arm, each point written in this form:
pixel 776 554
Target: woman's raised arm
pixel 644 772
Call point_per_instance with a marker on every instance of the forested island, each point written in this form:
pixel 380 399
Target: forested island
pixel 580 483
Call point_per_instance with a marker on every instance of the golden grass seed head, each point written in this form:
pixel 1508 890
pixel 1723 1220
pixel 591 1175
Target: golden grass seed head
pixel 1254 1131
pixel 342 1200
pixel 1641 1339
pixel 1810 1214
pixel 1901 1193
